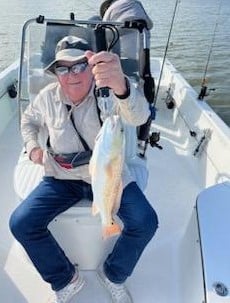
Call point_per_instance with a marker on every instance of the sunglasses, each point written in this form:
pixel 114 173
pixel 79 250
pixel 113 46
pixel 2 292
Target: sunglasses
pixel 75 69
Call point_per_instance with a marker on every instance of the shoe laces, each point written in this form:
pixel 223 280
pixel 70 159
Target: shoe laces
pixel 117 291
pixel 63 294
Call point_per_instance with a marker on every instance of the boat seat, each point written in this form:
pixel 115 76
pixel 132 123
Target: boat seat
pixel 80 235
pixel 76 230
pixel 213 211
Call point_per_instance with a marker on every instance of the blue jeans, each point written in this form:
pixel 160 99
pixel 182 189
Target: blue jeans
pixel 51 197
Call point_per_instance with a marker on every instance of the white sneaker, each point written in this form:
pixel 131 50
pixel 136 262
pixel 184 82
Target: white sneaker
pixel 65 294
pixel 119 293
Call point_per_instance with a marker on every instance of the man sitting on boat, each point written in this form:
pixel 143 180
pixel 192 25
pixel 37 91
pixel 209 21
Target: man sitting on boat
pixel 68 110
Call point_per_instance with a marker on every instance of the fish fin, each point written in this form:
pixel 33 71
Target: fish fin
pixel 95 209
pixel 111 230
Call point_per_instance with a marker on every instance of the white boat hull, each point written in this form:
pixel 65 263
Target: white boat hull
pixel 171 268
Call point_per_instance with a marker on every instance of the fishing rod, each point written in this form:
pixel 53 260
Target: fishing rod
pixel 166 50
pixel 144 136
pixel 154 138
pixel 204 88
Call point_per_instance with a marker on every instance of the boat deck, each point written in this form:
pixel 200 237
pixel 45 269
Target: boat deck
pixel 174 184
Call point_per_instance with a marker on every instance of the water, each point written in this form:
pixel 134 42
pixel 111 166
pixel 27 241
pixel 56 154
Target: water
pixel 190 43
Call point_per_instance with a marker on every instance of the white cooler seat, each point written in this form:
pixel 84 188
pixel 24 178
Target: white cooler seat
pixel 79 234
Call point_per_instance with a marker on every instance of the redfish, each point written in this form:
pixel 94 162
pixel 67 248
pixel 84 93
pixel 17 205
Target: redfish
pixel 105 168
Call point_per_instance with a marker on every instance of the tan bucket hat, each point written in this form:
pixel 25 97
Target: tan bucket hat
pixel 71 49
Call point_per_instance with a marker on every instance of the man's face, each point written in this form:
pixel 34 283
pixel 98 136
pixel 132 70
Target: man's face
pixel 75 85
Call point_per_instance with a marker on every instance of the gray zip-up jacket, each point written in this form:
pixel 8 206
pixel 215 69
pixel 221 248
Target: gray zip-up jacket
pixel 127 10
pixel 48 115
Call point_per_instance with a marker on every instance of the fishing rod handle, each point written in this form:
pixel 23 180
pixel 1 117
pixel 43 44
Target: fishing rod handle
pixel 101 45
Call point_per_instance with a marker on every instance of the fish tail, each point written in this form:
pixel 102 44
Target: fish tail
pixel 111 230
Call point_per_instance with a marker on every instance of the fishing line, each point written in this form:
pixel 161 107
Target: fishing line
pixel 203 91
pixel 166 50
